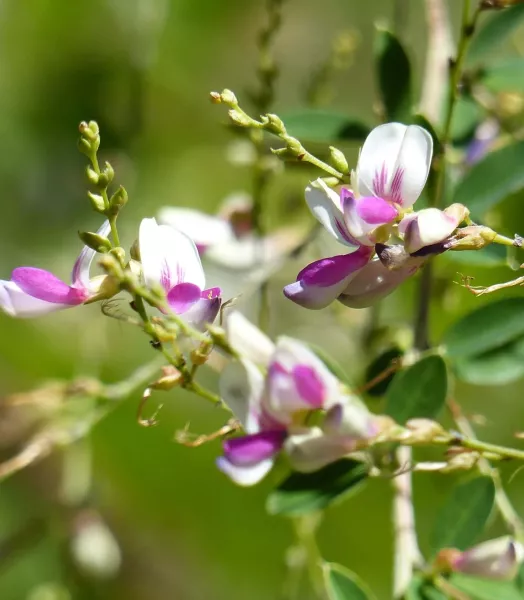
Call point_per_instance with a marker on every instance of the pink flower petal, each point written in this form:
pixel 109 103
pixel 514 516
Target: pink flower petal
pixel 309 385
pixel 321 282
pixel 183 296
pixel 251 449
pixel 43 285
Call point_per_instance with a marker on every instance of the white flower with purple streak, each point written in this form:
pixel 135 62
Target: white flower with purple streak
pixel 272 408
pixel 170 259
pixel 391 173
pixel 32 292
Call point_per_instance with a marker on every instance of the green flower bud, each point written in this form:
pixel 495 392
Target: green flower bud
pixel 109 172
pixel 118 200
pixel 339 160
pixel 238 118
pixel 215 97
pixel 274 124
pixel 91 175
pixel 97 202
pixel 96 242
pixel 134 251
pixel 228 97
pixel 119 254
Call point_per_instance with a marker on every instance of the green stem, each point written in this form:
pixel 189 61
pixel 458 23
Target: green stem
pixel 305 531
pixel 105 197
pixel 466 34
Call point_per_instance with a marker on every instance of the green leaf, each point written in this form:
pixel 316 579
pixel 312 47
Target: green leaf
pixel 506 76
pixel 306 492
pixel 378 366
pixel 494 255
pixel 342 584
pixel 464 514
pixel 394 76
pixel 494 32
pixel 418 391
pixel 490 326
pixel 480 588
pixel 497 366
pixel 330 363
pixel 466 116
pixel 420 589
pixel 315 125
pixel 492 179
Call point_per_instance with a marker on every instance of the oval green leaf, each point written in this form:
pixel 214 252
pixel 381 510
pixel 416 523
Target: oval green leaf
pixel 478 588
pixel 381 364
pixel 507 76
pixel 464 515
pixel 491 326
pixel 500 366
pixel 418 391
pixel 342 584
pixel 496 29
pixel 324 126
pixel 301 493
pixel 394 76
pixel 492 179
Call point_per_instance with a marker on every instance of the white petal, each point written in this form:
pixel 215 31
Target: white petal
pixel 245 253
pixel 247 339
pixel 395 153
pixel 325 205
pixel 245 476
pixel 17 303
pixel 82 266
pixel 241 386
pixel 168 256
pixel 496 559
pixel 426 227
pixel 351 418
pixel 312 449
pixel 205 230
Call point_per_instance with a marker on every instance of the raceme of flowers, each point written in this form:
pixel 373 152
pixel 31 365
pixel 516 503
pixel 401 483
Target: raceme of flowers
pixel 275 391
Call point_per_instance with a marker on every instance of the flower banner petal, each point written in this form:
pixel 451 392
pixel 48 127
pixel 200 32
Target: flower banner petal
pixel 43 285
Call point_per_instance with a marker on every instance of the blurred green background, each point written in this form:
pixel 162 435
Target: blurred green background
pixel 143 69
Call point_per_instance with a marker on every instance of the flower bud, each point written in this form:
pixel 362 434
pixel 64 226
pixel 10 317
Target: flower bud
pixel 238 118
pixel 393 257
pixel 92 176
pixel 97 202
pixel 109 172
pixel 274 124
pixel 424 430
pixel 96 242
pixel 215 97
pixel 118 200
pixel 103 287
pixel 119 254
pixel 134 251
pixel 228 97
pixel 171 378
pixel 494 559
pixel 338 159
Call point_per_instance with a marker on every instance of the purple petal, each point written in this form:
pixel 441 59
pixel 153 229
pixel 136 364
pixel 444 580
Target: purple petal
pixel 43 285
pixel 251 449
pixel 375 211
pixel 183 296
pixel 203 311
pixel 309 385
pixel 321 282
pixel 211 293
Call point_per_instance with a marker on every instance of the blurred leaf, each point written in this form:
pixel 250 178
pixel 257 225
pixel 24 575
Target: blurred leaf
pixel 342 584
pixel 317 125
pixel 331 363
pixel 507 76
pixel 478 588
pixel 421 120
pixel 493 255
pixel 486 328
pixel 464 515
pixel 394 76
pixel 378 366
pixel 497 28
pixel 466 117
pixel 492 179
pixel 306 492
pixel 418 391
pixel 519 580
pixel 497 366
pixel 420 589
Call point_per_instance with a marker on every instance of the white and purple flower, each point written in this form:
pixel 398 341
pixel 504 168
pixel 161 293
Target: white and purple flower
pixel 391 173
pixel 274 409
pixel 32 292
pixel 170 259
pixel 494 559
